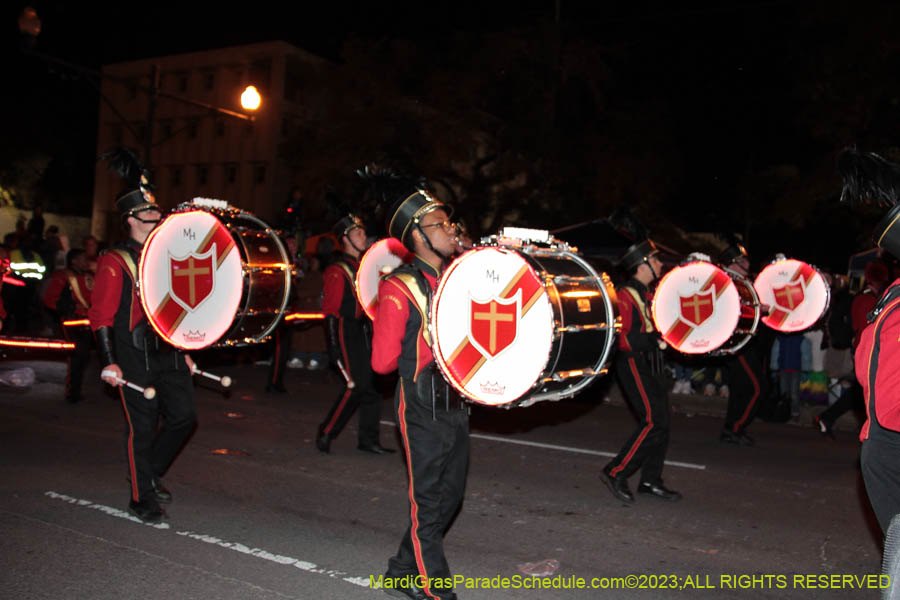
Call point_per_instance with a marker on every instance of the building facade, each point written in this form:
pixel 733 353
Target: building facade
pixel 194 150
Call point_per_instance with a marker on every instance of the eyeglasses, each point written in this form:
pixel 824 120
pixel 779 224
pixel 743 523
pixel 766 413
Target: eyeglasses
pixel 445 225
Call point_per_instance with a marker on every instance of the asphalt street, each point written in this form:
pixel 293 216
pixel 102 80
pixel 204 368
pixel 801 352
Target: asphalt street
pixel 259 513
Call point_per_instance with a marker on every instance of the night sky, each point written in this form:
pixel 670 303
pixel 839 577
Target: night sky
pixel 753 100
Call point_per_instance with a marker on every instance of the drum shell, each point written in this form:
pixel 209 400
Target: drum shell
pixel 267 279
pixel 579 318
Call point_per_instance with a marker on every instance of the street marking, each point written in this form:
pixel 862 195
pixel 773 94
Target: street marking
pixel 303 565
pixel 494 438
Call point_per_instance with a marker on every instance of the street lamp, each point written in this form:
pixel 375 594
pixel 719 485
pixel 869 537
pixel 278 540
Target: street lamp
pixel 250 99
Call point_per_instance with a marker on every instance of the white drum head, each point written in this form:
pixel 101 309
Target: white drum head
pixel 797 293
pixel 492 324
pixel 696 307
pixel 381 258
pixel 191 279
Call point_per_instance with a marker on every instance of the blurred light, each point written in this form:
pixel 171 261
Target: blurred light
pixel 295 316
pixel 29 22
pixel 250 99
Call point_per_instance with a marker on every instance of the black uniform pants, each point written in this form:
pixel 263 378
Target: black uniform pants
pixel 646 448
pixel 880 462
pixel 356 355
pixel 436 442
pixel 78 359
pixel 745 388
pixel 281 348
pixel 151 448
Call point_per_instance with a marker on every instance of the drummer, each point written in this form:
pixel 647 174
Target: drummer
pixel 432 419
pixel 638 364
pixel 745 369
pixel 129 350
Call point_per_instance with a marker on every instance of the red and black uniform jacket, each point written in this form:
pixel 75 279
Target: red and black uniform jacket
pixel 877 363
pixel 69 293
pixel 638 333
pixel 401 340
pixel 114 301
pixel 338 285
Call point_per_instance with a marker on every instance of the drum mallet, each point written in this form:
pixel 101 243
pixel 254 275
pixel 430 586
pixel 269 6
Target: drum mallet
pixel 225 380
pixel 350 383
pixel 149 392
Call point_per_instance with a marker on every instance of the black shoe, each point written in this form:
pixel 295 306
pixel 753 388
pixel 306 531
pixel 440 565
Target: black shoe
pixel 618 486
pixel 323 441
pixel 375 449
pixel 163 495
pixel 659 490
pixel 738 439
pixel 824 428
pixel 276 388
pixel 73 399
pixel 147 511
pixel 405 588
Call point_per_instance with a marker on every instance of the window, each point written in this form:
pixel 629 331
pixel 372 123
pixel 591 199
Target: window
pixel 230 174
pixel 181 79
pixel 131 89
pixel 209 81
pixel 259 174
pixel 202 174
pixel 192 130
pixel 220 127
pixel 175 175
pixel 165 129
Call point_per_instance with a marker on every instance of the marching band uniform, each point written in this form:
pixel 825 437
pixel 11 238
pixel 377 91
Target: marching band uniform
pixel 876 362
pixel 350 342
pixel 126 340
pixel 638 366
pixel 68 294
pixel 432 419
pixel 745 370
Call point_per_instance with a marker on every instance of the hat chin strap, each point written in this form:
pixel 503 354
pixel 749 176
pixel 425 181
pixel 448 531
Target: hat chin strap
pixel 137 218
pixel 428 241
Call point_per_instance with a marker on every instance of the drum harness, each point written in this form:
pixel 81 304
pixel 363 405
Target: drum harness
pixel 429 380
pixel 141 338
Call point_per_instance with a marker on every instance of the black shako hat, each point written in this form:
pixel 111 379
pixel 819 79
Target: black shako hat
pixel 408 210
pixel 638 253
pixel 732 253
pixel 131 202
pixel 347 224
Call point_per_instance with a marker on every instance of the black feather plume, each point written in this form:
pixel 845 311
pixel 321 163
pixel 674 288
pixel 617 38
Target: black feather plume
pixel 868 178
pixel 384 186
pixel 625 221
pixel 128 165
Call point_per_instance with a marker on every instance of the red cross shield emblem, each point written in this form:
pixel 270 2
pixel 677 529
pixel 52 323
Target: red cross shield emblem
pixel 789 296
pixel 697 308
pixel 192 278
pixel 494 325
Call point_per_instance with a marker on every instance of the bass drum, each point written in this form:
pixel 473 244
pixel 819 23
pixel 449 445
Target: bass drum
pixel 796 292
pixel 516 325
pixel 214 276
pixel 700 308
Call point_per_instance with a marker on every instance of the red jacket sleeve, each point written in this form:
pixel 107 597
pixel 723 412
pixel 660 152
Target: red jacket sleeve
pixel 332 290
pixel 107 292
pixel 56 286
pixel 626 309
pixel 389 326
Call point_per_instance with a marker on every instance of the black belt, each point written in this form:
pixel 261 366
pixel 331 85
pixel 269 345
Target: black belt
pixel 431 385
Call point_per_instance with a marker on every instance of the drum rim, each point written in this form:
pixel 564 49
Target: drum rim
pixel 142 289
pixel 432 324
pixel 654 303
pixel 818 272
